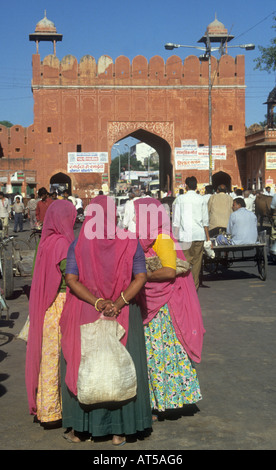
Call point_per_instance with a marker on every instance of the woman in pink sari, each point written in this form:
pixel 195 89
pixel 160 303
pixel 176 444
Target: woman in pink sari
pixel 171 312
pixel 47 298
pixel 105 271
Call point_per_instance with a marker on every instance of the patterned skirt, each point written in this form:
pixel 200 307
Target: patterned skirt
pixel 173 381
pixel 48 399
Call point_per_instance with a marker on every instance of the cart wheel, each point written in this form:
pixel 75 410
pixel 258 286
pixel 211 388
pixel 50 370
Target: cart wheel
pixel 8 281
pixel 262 262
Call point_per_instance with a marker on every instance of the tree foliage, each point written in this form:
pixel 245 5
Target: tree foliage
pixel 267 59
pixel 6 123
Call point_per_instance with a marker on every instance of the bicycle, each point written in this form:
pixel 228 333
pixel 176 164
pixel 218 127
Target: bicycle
pixel 7 272
pixel 30 243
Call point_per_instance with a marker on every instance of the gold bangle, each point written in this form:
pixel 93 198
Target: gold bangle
pixel 122 295
pixel 96 304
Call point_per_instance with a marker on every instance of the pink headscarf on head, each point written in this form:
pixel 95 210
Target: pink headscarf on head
pixel 57 235
pixel 104 257
pixel 180 294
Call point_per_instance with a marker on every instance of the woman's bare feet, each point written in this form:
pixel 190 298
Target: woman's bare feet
pixel 118 440
pixel 71 437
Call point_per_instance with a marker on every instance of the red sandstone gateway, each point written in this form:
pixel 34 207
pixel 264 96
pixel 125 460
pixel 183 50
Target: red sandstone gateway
pixel 88 106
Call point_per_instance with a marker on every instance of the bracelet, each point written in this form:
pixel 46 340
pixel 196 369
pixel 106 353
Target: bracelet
pixel 122 295
pixel 96 304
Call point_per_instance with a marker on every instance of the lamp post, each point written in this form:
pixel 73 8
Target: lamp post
pixel 207 39
pixel 119 155
pixel 126 145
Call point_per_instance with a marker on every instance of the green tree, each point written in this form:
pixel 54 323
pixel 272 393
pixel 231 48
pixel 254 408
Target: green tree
pixel 267 59
pixel 6 123
pixel 114 167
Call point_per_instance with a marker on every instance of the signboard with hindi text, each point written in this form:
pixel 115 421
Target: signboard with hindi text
pixel 270 160
pixel 192 157
pixel 86 162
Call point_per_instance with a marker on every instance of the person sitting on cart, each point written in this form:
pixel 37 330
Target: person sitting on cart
pixel 242 226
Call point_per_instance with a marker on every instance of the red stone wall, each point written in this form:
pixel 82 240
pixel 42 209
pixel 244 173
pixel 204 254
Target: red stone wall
pixel 94 104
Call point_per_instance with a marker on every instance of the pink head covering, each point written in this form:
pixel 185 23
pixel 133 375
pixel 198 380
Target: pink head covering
pixel 180 294
pixel 104 257
pixel 57 235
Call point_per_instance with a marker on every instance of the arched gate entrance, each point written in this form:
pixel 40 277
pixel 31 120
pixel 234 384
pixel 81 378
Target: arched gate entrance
pixel 157 135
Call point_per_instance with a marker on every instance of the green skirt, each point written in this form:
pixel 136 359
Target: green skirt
pixel 130 418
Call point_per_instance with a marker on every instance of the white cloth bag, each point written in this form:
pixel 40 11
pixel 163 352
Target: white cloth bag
pixel 107 372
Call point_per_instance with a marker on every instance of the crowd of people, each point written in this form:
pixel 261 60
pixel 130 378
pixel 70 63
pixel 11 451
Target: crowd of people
pixel 34 210
pixel 108 273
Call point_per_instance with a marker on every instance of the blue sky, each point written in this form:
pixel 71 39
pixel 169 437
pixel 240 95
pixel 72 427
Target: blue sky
pixel 125 27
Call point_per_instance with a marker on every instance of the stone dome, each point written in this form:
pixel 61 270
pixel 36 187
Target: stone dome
pixel 45 26
pixel 216 28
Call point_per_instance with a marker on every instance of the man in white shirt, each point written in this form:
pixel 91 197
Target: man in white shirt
pixel 249 201
pixel 4 215
pixel 129 221
pixel 190 222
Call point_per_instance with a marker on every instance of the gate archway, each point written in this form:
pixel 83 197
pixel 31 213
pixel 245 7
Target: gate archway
pixel 222 178
pixel 61 181
pixel 156 135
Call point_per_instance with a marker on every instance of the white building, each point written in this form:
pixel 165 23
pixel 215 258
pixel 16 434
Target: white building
pixel 143 151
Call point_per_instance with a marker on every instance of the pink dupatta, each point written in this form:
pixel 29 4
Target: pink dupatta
pixel 57 235
pixel 105 258
pixel 180 294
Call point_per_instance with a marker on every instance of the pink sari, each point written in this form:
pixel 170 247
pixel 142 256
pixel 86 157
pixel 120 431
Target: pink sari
pixel 180 294
pixel 57 235
pixel 105 268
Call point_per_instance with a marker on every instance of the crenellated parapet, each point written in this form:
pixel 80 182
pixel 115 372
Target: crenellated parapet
pixel 227 71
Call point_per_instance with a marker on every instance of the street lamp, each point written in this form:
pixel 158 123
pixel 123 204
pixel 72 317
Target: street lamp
pixel 207 39
pixel 119 155
pixel 126 145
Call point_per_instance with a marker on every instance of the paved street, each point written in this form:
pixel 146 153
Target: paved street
pixel 237 374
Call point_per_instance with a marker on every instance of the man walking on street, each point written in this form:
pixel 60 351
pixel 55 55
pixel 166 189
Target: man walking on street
pixel 42 205
pixel 31 206
pixel 190 221
pixel 19 209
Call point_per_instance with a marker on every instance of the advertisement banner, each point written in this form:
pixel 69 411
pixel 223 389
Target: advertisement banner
pixel 219 152
pixel 86 162
pixel 191 162
pixel 85 167
pixel 270 160
pixel 88 157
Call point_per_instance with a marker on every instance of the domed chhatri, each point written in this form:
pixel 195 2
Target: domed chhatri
pixel 45 31
pixel 271 103
pixel 45 26
pixel 216 32
pixel 216 27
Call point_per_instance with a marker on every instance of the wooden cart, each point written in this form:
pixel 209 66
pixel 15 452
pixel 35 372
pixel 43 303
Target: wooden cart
pixel 226 255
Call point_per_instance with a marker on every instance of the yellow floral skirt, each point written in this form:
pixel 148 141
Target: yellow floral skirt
pixel 49 406
pixel 173 380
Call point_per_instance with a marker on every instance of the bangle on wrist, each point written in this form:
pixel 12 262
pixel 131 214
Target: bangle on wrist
pixel 97 303
pixel 122 295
